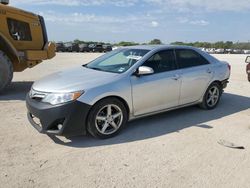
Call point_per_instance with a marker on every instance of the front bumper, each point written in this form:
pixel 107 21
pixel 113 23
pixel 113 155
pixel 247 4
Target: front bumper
pixel 66 119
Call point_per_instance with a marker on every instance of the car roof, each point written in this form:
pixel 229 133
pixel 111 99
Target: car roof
pixel 155 47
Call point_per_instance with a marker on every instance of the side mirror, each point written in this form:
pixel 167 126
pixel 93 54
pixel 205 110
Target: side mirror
pixel 248 59
pixel 144 70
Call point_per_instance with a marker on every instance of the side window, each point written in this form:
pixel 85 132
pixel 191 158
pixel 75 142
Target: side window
pixel 189 58
pixel 19 30
pixel 162 61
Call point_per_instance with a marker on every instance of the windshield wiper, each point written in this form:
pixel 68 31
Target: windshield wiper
pixel 99 69
pixel 95 68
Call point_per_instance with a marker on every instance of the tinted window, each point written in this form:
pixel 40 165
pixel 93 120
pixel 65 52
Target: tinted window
pixel 189 58
pixel 19 30
pixel 162 61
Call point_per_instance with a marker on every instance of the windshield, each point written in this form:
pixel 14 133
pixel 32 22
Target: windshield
pixel 117 61
pixel 92 45
pixel 68 44
pixel 83 45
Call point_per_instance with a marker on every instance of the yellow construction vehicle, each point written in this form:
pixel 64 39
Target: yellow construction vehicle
pixel 23 42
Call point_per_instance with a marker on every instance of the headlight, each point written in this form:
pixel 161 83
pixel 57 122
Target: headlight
pixel 59 98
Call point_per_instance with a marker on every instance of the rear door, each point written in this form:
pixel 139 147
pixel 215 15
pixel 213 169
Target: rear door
pixel 160 90
pixel 196 73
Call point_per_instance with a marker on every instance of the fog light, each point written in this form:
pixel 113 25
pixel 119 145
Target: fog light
pixel 59 126
pixel 36 120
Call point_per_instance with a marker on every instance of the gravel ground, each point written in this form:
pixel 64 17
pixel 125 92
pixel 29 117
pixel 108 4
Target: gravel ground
pixel 174 149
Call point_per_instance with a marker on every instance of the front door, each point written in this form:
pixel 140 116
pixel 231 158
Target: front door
pixel 158 91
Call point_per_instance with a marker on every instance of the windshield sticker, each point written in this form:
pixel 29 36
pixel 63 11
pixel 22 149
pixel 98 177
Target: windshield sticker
pixel 135 57
pixel 121 69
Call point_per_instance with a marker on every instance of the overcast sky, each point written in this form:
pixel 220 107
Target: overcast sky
pixel 143 20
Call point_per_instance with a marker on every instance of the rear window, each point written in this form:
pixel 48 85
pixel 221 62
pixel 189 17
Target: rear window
pixel 189 58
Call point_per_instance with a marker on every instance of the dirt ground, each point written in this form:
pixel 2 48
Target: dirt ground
pixel 174 149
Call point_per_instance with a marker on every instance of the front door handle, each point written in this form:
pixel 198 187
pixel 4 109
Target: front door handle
pixel 176 77
pixel 209 71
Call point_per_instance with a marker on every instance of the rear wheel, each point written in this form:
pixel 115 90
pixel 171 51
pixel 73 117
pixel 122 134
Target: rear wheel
pixel 6 71
pixel 211 97
pixel 107 118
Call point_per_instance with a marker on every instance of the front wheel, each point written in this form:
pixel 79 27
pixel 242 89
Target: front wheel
pixel 106 118
pixel 211 97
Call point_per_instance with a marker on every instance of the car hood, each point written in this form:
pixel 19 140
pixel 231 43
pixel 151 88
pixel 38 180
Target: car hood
pixel 76 79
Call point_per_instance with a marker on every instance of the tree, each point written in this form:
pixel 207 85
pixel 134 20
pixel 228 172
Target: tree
pixel 77 41
pixel 124 43
pixel 219 44
pixel 228 45
pixel 155 41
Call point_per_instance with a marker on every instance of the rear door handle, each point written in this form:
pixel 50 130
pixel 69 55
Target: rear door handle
pixel 176 77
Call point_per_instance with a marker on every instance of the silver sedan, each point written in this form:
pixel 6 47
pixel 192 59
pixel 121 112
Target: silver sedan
pixel 128 83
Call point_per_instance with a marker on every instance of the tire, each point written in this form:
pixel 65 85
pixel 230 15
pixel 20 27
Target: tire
pixel 6 71
pixel 106 118
pixel 211 97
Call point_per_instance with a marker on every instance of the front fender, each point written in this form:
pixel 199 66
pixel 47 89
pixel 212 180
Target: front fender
pixel 120 89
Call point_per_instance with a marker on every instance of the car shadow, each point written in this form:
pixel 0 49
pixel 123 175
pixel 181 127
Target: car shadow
pixel 16 91
pixel 165 123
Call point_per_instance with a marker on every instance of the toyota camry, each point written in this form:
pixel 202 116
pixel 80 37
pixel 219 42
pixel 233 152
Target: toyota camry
pixel 128 83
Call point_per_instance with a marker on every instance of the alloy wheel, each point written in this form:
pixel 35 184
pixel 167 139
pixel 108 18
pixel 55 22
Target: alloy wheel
pixel 109 119
pixel 213 96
